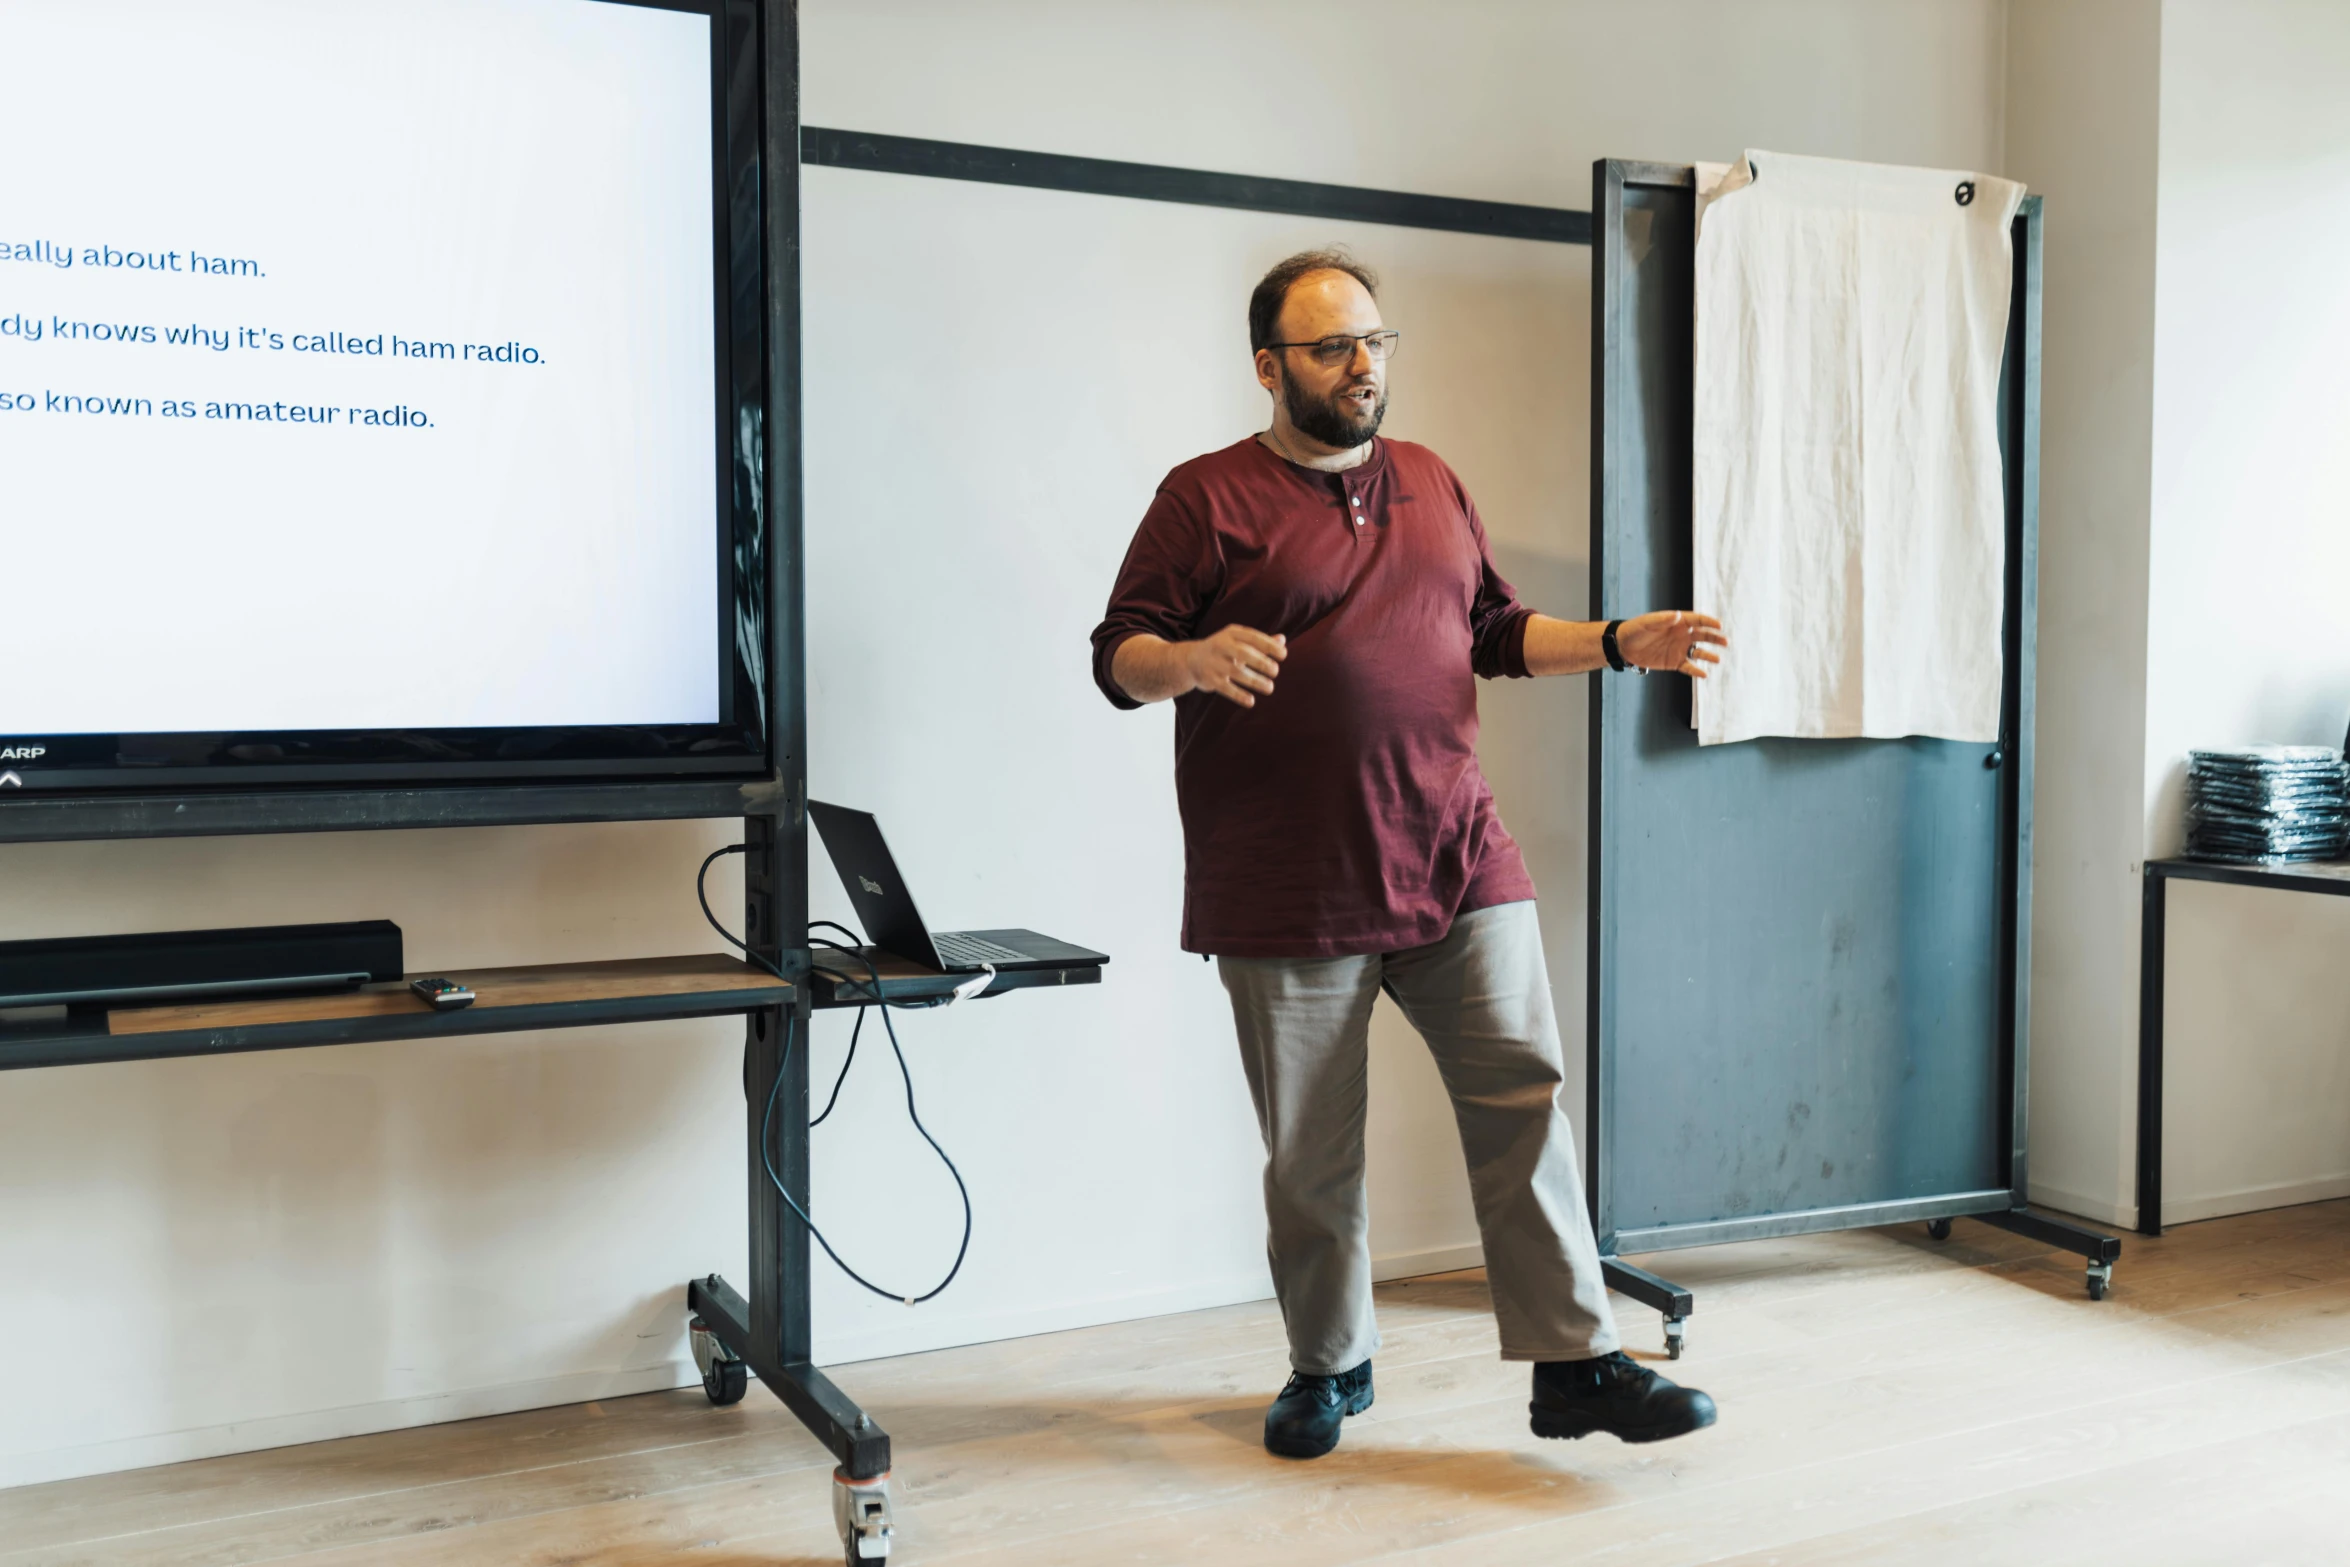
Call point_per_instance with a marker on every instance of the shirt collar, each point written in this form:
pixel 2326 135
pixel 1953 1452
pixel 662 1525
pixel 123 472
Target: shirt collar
pixel 1362 473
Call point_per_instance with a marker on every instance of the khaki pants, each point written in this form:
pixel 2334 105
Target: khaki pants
pixel 1481 1000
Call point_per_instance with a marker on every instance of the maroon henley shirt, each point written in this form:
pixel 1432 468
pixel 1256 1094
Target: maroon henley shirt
pixel 1344 813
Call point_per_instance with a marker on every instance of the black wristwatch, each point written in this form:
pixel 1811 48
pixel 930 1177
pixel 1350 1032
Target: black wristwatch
pixel 1607 645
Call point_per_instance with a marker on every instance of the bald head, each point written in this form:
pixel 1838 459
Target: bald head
pixel 1271 295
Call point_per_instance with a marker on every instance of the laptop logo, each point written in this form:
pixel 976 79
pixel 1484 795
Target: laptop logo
pixel 866 882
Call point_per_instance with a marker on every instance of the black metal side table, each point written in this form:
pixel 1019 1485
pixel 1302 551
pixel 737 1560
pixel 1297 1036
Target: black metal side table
pixel 2324 876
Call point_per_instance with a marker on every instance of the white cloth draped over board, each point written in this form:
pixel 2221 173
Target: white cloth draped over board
pixel 1847 508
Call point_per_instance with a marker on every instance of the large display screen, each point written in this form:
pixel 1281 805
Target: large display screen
pixel 364 386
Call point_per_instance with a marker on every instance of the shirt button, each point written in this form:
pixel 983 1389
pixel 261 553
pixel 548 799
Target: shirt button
pixel 1358 500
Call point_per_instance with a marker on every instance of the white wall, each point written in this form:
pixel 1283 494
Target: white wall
pixel 1078 348
pixel 2248 636
pixel 2081 127
pixel 2196 487
pixel 201 1256
pixel 1096 343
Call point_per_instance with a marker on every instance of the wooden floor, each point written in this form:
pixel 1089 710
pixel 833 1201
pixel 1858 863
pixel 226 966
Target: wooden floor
pixel 1884 1399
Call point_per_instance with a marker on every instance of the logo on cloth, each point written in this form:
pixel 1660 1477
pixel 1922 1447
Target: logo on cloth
pixel 872 886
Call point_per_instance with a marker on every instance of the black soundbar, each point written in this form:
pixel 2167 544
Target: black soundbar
pixel 184 964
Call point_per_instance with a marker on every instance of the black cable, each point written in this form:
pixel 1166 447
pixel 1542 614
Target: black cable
pixel 774 1092
pixel 846 1062
pixel 702 895
pixel 905 1073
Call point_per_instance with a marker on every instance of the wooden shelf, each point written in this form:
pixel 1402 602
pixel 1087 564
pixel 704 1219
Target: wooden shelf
pixel 555 995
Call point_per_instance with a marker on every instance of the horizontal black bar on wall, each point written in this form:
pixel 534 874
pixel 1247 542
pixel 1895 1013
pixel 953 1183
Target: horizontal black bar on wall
pixel 948 160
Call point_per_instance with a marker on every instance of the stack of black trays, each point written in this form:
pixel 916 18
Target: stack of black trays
pixel 2267 802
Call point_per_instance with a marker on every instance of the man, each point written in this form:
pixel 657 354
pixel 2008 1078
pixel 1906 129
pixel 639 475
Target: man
pixel 1316 601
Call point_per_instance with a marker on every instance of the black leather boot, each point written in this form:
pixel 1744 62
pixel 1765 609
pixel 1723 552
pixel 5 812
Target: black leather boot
pixel 1303 1422
pixel 1614 1393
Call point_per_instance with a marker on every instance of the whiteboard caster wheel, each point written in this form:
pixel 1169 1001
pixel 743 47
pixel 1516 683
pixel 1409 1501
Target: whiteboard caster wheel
pixel 1676 1336
pixel 1939 1229
pixel 2100 1279
pixel 724 1378
pixel 861 1510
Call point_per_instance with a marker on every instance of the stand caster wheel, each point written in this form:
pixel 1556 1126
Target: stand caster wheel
pixel 1676 1336
pixel 1939 1229
pixel 861 1510
pixel 726 1382
pixel 724 1378
pixel 2100 1279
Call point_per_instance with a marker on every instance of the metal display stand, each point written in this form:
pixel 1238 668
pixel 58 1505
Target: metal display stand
pixel 770 1331
pixel 2329 878
pixel 1857 1055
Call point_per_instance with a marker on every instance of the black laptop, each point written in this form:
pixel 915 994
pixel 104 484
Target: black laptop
pixel 886 909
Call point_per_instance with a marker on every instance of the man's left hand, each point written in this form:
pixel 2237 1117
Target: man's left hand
pixel 1676 639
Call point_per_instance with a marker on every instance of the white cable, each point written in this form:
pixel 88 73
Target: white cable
pixel 972 986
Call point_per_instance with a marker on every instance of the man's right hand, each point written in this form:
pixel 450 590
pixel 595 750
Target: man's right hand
pixel 1236 663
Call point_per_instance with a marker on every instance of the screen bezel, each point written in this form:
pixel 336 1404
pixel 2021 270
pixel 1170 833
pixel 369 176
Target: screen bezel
pixel 740 744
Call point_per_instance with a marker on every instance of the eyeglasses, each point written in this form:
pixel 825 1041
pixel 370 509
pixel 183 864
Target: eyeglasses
pixel 1341 349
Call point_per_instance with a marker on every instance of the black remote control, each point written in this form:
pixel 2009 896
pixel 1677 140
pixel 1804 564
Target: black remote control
pixel 446 995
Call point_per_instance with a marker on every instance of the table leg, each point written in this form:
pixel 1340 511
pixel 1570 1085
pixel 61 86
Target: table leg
pixel 2150 958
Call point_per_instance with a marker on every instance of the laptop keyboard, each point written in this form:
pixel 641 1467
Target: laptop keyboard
pixel 958 947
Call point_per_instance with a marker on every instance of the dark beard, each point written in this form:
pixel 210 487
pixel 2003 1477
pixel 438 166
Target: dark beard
pixel 1329 421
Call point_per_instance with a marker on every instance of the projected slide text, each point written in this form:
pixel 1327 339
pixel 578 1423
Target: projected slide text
pixel 404 419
